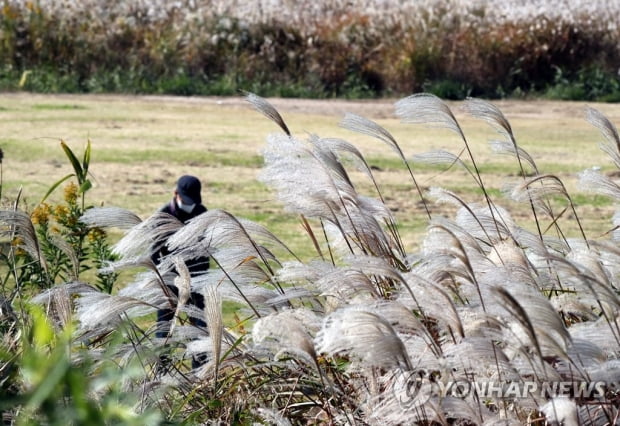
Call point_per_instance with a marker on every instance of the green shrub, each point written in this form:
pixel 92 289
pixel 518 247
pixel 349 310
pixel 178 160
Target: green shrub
pixel 592 84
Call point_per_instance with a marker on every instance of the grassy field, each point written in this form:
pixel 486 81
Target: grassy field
pixel 140 145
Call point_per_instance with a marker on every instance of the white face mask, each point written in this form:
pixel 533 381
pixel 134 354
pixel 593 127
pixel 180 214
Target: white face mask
pixel 187 208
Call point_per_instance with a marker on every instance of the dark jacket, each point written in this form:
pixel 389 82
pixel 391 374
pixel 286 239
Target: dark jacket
pixel 197 265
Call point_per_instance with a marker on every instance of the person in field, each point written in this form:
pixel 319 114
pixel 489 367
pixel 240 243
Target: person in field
pixel 186 204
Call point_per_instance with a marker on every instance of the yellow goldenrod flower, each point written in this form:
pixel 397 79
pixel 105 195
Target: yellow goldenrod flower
pixel 71 193
pixel 41 214
pixel 17 245
pixel 96 234
pixel 17 241
pixel 61 212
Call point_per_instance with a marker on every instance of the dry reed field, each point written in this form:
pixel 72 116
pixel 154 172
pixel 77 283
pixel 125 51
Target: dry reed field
pixel 454 48
pixel 373 262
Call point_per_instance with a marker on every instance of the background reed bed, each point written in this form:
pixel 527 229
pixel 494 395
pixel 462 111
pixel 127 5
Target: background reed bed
pixel 370 48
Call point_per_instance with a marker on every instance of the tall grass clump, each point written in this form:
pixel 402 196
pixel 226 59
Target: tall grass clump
pixel 492 322
pixel 328 48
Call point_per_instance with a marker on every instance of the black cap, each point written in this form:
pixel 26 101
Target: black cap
pixel 188 187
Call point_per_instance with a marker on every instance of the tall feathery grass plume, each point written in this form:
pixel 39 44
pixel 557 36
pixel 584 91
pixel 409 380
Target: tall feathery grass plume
pixel 363 125
pixel 17 226
pixel 489 113
pixel 264 107
pixel 611 145
pixel 215 324
pixel 425 108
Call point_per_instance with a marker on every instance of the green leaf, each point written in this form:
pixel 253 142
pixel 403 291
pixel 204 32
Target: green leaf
pixel 50 382
pixel 56 185
pixel 86 161
pixel 86 185
pixel 77 167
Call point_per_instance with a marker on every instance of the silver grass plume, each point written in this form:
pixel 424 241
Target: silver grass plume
pixel 505 147
pixel 359 124
pixel 59 299
pixel 144 261
pixel 71 289
pixel 561 410
pixel 328 157
pixel 66 248
pixel 491 114
pixel 362 228
pixel 536 190
pixel 609 255
pixel 183 284
pixel 403 403
pixel 435 303
pixel 147 287
pixel 328 195
pixel 264 107
pixel 377 267
pixel 488 112
pixel 584 359
pixel 16 223
pixel 580 277
pixel 339 285
pixel 147 236
pixel 425 108
pixel 609 131
pixel 240 285
pixel 545 331
pixel 361 214
pixel 96 310
pixel 215 229
pixel 597 332
pixel 401 317
pixel 342 146
pixel 262 235
pixel 446 196
pixel 241 264
pixel 440 157
pixel 110 217
pixel 589 262
pixel 303 295
pixel 422 332
pixel 345 285
pixel 288 332
pixel 215 323
pixel 459 259
pixel 368 127
pixel 593 181
pixel 363 335
pixel 63 307
pixel 615 232
pixel 479 357
pixel 302 181
pixel 482 222
pixel 532 241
